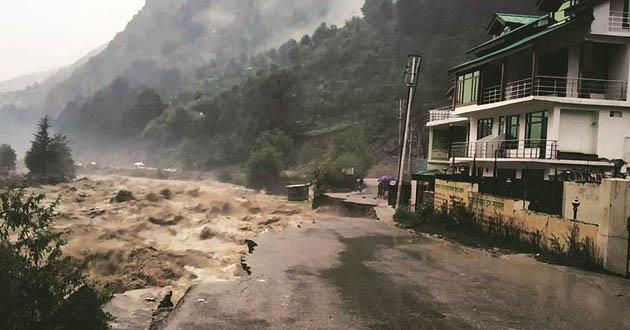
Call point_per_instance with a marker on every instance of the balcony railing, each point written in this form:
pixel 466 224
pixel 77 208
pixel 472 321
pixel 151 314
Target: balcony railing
pixel 619 21
pixel 506 149
pixel 614 90
pixel 440 114
pixel 492 94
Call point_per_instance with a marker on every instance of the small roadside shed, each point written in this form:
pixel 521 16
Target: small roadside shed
pixel 299 192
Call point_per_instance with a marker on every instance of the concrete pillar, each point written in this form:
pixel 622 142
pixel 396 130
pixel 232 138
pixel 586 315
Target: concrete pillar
pixel 430 152
pixel 553 123
pixel 613 229
pixel 414 196
pixel 573 73
pixel 627 59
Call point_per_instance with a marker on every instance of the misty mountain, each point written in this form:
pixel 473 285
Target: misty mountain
pixel 23 82
pixel 169 39
pixel 331 79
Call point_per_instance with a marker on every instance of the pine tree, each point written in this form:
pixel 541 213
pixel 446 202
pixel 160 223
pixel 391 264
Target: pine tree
pixel 50 156
pixel 37 158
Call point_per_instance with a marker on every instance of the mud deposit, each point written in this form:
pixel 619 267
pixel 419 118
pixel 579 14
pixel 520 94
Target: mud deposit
pixel 170 235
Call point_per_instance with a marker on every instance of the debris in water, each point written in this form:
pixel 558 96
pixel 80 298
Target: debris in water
pixel 202 300
pixel 166 193
pixel 122 196
pixel 166 302
pixel 94 212
pixel 271 221
pixel 150 299
pixel 251 245
pixel 206 233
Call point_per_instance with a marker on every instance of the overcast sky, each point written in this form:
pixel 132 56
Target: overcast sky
pixel 40 35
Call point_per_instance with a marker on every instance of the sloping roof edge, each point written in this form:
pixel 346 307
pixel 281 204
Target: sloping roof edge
pixel 519 43
pixel 507 34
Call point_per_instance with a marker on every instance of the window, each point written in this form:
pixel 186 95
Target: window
pixel 501 125
pixel 484 128
pixel 616 114
pixel 467 88
pixel 536 129
pixel 512 124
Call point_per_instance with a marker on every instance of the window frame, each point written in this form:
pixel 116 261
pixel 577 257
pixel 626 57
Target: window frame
pixel 485 125
pixel 542 118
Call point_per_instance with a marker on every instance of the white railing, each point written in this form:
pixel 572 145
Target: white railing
pixel 582 88
pixel 614 90
pixel 619 21
pixel 492 94
pixel 440 114
pixel 518 89
pixel 504 149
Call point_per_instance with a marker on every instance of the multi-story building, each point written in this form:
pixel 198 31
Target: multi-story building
pixel 547 94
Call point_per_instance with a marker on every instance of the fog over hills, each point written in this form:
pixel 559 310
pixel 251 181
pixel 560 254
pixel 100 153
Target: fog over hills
pixel 164 44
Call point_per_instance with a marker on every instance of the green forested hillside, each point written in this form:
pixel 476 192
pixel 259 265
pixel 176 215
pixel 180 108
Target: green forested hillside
pixel 317 87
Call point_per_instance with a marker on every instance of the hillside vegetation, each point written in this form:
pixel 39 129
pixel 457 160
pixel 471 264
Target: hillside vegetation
pixel 311 89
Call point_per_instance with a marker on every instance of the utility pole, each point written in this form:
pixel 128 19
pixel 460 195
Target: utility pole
pixel 401 106
pixel 411 81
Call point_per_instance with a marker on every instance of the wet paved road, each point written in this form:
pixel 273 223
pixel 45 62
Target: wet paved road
pixel 363 274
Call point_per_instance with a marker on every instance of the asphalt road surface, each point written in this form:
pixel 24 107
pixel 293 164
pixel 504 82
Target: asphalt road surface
pixel 363 274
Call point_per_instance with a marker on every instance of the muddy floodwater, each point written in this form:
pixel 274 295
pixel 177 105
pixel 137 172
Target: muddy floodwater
pixel 168 236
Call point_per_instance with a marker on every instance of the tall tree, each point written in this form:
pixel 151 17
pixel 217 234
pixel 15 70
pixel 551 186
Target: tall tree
pixel 49 157
pixel 37 158
pixel 7 158
pixel 61 162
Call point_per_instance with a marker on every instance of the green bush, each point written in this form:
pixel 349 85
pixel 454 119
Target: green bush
pixel 263 169
pixel 40 288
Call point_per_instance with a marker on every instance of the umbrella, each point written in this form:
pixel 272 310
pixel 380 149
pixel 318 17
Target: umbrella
pixel 386 178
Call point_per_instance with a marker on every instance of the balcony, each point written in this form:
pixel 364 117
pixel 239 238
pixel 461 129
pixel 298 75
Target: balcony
pixel 612 90
pixel 440 114
pixel 619 21
pixel 506 149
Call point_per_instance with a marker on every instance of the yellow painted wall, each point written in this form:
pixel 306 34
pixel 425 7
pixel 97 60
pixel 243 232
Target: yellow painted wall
pixel 512 210
pixel 589 195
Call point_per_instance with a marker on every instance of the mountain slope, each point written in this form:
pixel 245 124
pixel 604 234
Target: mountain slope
pixel 328 81
pixel 181 35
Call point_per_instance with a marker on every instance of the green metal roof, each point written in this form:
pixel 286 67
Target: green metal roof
pixel 518 18
pixel 509 33
pixel 515 45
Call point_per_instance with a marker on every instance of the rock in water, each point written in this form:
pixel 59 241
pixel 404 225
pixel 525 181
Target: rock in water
pixel 166 302
pixel 123 196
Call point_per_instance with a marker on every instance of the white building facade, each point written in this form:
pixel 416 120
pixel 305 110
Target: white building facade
pixel 547 95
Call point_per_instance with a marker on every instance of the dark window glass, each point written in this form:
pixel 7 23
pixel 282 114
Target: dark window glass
pixel 484 128
pixel 501 125
pixel 512 124
pixel 536 128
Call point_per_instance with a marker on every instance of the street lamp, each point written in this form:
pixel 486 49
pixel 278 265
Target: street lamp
pixel 576 205
pixel 412 74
